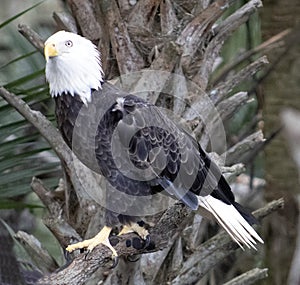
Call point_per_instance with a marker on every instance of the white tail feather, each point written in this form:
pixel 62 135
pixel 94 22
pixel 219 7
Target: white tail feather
pixel 231 220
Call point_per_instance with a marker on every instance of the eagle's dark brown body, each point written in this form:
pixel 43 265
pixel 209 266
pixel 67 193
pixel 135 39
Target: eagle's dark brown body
pixel 117 138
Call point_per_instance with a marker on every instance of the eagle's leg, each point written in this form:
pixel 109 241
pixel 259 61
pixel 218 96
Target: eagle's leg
pixel 135 228
pixel 101 238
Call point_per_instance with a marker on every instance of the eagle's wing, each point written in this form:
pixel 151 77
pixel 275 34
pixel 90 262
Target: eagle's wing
pixel 149 147
pixel 138 148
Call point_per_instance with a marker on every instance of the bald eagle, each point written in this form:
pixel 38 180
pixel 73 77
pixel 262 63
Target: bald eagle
pixel 160 156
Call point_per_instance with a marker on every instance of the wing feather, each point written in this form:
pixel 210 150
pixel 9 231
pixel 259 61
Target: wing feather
pixel 159 144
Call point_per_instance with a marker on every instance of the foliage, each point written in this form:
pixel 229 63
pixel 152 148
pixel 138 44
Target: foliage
pixel 23 153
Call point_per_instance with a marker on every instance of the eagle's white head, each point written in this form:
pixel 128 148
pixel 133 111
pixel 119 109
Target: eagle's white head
pixel 72 65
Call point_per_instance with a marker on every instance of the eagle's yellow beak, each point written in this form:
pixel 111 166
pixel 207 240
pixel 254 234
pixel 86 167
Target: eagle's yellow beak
pixel 50 50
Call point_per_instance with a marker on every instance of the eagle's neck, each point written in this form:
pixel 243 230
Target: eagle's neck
pixel 74 79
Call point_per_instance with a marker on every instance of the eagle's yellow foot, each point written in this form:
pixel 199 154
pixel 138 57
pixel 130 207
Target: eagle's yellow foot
pixel 101 238
pixel 136 228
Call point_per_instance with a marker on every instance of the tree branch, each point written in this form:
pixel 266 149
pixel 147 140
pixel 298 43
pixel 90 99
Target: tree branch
pixel 84 265
pixel 168 20
pixel 249 277
pixel 43 125
pixel 128 57
pixel 195 32
pixel 33 37
pixel 243 149
pixel 55 219
pixel 275 42
pixel 65 21
pixel 222 89
pixel 143 13
pixel 40 256
pixel 84 13
pixel 220 34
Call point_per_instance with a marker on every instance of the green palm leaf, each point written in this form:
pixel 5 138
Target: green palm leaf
pixel 5 23
pixel 23 152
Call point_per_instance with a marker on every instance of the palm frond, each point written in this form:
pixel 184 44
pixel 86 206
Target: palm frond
pixel 23 153
pixel 5 23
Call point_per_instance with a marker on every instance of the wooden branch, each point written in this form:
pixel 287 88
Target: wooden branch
pixel 32 37
pixel 129 271
pixel 92 24
pixel 143 13
pixel 55 219
pixel 124 7
pixel 213 120
pixel 128 58
pixel 249 277
pixel 167 58
pixel 221 33
pixel 65 21
pixel 148 44
pixel 268 209
pixel 221 90
pixel 83 266
pixel 84 13
pixel 240 151
pixel 237 18
pixel 80 180
pixel 231 172
pixel 189 6
pixel 291 40
pixel 274 42
pixel 193 36
pixel 171 222
pixel 168 19
pixel 155 77
pixel 227 108
pixel 199 269
pixel 43 125
pixel 39 255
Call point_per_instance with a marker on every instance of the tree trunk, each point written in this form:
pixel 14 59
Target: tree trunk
pixel 281 89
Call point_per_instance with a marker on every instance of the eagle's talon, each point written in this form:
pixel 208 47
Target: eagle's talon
pixel 86 254
pixel 138 243
pixel 147 241
pixel 67 255
pixel 135 228
pixel 115 260
pixel 141 223
pixel 101 238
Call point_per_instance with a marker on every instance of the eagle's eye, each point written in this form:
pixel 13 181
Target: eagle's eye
pixel 69 43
